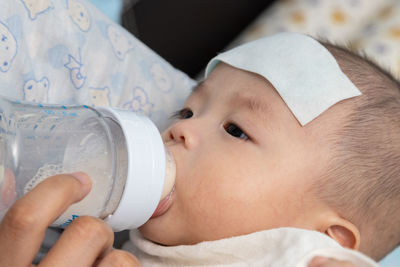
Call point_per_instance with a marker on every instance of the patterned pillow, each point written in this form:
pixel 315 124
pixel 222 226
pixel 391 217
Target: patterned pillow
pixel 68 52
pixel 380 38
pixel 335 20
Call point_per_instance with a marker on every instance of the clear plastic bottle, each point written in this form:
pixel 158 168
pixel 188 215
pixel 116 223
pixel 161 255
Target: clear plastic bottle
pixel 122 152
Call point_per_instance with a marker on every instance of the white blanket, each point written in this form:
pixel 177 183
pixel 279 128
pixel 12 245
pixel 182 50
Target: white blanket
pixel 277 247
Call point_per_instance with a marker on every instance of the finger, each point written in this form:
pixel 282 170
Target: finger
pixel 83 241
pixel 22 228
pixel 329 262
pixel 118 258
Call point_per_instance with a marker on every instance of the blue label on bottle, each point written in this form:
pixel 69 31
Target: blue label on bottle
pixel 63 225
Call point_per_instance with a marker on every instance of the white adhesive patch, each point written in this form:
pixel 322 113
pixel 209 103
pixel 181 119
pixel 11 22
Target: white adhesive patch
pixel 303 71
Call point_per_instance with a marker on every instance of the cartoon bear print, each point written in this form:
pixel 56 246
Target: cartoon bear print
pixel 160 77
pixel 75 66
pixel 79 15
pixel 8 48
pixel 119 41
pixel 100 96
pixel 37 91
pixel 36 7
pixel 139 103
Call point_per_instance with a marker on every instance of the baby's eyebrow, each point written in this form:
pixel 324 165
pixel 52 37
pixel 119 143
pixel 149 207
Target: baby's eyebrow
pixel 253 103
pixel 242 100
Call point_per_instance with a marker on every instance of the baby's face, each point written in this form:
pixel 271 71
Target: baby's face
pixel 244 163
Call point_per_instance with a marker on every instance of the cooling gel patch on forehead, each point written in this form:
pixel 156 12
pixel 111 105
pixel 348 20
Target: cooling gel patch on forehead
pixel 303 71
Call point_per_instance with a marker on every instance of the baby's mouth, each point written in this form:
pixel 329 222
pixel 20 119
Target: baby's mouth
pixel 164 204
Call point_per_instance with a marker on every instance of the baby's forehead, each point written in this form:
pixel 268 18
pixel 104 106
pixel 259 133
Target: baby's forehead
pixel 237 89
pixel 302 70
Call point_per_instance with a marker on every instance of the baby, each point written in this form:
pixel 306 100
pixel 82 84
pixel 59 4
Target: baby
pixel 254 177
pixel 245 163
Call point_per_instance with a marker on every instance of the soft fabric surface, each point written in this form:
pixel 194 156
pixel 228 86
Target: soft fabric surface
pixel 370 26
pixel 68 52
pixel 112 8
pixel 281 247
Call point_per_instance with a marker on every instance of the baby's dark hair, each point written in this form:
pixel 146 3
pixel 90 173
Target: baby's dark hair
pixel 363 180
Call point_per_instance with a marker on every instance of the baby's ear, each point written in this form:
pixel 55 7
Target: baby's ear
pixel 345 233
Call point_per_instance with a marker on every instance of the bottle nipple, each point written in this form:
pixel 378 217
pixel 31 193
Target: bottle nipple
pixel 170 173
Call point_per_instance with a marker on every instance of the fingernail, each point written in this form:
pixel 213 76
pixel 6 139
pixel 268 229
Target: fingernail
pixel 81 177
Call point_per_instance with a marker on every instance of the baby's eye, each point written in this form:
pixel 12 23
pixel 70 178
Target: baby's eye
pixel 235 131
pixel 184 113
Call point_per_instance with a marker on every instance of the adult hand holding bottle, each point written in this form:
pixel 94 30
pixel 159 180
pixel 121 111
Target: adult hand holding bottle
pixel 87 241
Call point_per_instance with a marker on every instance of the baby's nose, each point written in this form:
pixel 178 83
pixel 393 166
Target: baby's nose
pixel 184 132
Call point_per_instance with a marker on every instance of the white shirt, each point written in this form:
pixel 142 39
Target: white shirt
pixel 277 247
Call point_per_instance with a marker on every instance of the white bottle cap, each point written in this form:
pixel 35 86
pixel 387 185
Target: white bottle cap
pixel 146 169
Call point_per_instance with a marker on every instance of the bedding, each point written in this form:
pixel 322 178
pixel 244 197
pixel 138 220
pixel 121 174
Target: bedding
pixel 369 26
pixel 112 8
pixel 68 52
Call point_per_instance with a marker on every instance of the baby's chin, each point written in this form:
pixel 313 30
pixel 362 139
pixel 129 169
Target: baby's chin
pixel 161 226
pixel 168 230
pixel 162 229
pixel 154 232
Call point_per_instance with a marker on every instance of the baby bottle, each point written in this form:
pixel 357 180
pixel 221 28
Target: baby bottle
pixel 122 152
